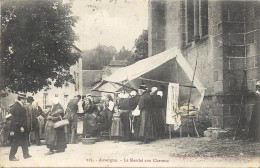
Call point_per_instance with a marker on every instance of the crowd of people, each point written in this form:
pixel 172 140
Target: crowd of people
pixel 132 116
pixel 129 116
pixel 138 116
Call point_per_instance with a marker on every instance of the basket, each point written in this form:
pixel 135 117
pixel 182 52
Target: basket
pixel 61 123
pixel 88 140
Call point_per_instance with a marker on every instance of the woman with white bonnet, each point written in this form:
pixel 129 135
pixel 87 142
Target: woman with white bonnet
pixel 55 137
pixel 157 112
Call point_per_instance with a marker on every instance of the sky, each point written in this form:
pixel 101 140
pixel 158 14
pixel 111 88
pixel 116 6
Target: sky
pixel 109 22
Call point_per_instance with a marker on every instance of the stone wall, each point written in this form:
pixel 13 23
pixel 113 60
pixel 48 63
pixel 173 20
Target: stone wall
pixel 230 49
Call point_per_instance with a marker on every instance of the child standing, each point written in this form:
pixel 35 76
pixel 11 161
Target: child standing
pixel 117 126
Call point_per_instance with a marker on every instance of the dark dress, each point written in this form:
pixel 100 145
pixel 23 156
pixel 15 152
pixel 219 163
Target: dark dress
pixel 254 129
pixel 147 127
pixel 90 120
pixel 158 115
pixel 125 108
pixel 55 137
pixel 102 123
pixel 133 101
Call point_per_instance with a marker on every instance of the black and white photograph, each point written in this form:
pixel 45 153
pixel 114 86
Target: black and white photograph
pixel 130 83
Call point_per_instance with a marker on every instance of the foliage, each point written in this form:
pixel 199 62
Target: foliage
pixel 36 44
pixel 125 54
pixel 141 46
pixel 97 58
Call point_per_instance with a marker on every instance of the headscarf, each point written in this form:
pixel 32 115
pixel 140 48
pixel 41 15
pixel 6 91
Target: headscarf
pixel 160 93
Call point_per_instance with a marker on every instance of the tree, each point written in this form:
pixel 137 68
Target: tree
pixel 97 58
pixel 141 46
pixel 125 54
pixel 36 44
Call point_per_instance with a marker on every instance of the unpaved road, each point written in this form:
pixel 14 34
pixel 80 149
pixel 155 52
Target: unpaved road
pixel 176 152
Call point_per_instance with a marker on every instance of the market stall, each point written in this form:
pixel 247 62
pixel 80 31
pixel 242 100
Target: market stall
pixel 168 67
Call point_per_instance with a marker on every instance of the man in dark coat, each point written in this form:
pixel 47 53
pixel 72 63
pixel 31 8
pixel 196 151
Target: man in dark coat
pixel 147 127
pixel 37 111
pixel 19 129
pixel 33 111
pixel 72 116
pixel 29 114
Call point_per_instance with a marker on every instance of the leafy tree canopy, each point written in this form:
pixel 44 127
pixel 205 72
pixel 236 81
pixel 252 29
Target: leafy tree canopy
pixel 141 46
pixel 36 44
pixel 97 58
pixel 125 54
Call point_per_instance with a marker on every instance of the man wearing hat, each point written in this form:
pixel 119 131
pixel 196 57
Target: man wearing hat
pixel 29 111
pixel 254 128
pixel 19 129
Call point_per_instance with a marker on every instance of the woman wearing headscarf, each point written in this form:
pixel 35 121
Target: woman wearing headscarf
pixel 124 104
pixel 135 120
pixel 90 115
pixel 157 113
pixel 55 137
pixel 147 127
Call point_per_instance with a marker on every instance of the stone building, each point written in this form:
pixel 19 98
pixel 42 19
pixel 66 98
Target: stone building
pixel 64 93
pixel 224 38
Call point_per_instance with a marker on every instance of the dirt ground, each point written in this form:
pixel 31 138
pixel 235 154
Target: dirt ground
pixel 175 152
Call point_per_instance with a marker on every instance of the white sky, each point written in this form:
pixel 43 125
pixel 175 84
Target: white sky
pixel 117 23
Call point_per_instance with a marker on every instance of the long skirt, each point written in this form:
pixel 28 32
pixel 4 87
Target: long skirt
pixel 117 128
pixel 159 120
pixel 126 125
pixel 147 127
pixel 254 129
pixel 136 120
pixel 89 124
pixel 55 138
pixel 109 116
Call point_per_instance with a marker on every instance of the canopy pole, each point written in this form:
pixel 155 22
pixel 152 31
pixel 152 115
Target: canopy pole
pixel 165 82
pixel 104 91
pixel 188 114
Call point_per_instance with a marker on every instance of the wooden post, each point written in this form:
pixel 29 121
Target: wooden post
pixel 188 114
pixel 195 127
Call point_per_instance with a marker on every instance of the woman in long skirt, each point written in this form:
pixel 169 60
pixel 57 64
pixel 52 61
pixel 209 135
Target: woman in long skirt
pixel 117 126
pixel 90 118
pixel 55 137
pixel 147 127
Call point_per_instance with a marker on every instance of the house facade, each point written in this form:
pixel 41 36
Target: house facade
pixel 64 94
pixel 224 38
pixel 67 91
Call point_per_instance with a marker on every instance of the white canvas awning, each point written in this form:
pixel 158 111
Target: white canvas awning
pixel 154 67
